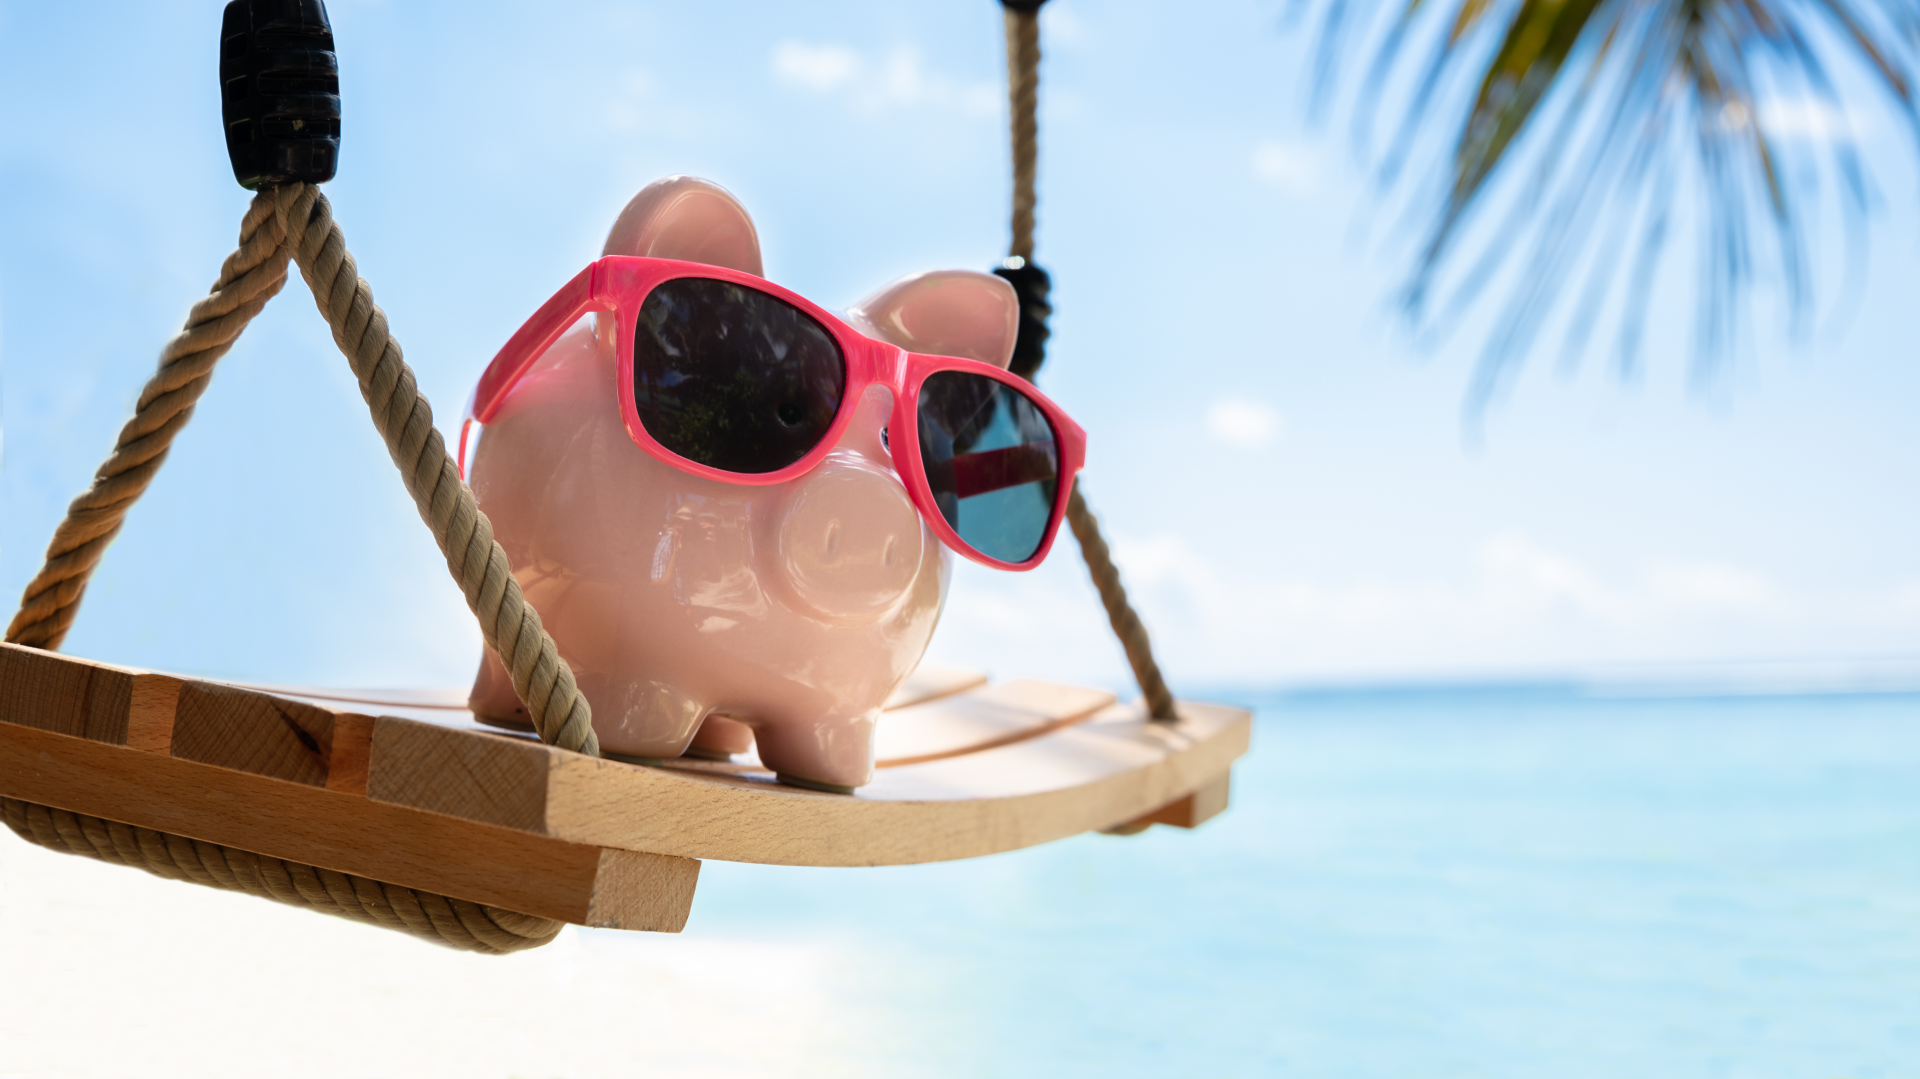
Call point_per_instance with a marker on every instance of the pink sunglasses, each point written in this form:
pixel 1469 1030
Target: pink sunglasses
pixel 725 375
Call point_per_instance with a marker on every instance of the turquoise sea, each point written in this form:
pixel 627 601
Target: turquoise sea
pixel 1505 882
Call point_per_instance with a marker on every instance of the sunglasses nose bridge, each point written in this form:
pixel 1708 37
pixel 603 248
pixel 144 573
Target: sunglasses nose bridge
pixel 882 363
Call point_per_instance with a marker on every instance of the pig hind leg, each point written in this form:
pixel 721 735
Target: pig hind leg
pixel 833 755
pixel 719 738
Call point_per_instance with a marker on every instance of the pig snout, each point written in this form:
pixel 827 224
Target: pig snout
pixel 850 541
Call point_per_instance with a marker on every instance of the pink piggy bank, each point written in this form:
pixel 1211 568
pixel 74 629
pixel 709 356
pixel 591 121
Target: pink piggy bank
pixel 749 566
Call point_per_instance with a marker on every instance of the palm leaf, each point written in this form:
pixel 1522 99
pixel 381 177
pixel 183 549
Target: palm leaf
pixel 1600 109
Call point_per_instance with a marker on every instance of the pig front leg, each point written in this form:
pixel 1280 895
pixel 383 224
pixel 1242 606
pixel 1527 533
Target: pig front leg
pixel 642 717
pixel 493 696
pixel 820 754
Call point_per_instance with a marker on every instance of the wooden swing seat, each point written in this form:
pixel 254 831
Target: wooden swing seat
pixel 400 810
pixel 406 788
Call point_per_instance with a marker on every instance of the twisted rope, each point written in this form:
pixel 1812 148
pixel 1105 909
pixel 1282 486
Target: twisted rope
pixel 1120 614
pixel 437 918
pixel 248 279
pixel 1023 91
pixel 405 421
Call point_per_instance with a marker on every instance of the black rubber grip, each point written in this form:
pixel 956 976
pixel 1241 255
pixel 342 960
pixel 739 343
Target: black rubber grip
pixel 279 92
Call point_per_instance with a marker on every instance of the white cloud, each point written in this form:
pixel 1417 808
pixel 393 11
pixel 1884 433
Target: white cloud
pixel 984 98
pixel 1158 560
pixel 904 76
pixel 815 67
pixel 1510 605
pixel 900 79
pixel 1519 578
pixel 1247 424
pixel 1710 583
pixel 1060 26
pixel 1286 165
pixel 639 107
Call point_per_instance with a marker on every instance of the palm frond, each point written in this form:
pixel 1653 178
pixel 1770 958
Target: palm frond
pixel 1603 110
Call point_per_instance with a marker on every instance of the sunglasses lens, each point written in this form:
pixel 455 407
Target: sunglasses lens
pixel 733 378
pixel 992 461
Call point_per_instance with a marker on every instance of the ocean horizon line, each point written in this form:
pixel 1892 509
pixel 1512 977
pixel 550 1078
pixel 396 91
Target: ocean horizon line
pixel 1880 676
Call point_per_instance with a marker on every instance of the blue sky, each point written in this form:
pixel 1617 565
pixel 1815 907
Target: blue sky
pixel 1283 470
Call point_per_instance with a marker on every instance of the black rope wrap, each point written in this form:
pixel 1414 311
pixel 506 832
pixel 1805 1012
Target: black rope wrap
pixel 1031 286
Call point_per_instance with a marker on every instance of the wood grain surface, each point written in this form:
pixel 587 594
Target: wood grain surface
pixel 502 867
pixel 1110 769
pixel 433 800
pixel 284 779
pixel 983 719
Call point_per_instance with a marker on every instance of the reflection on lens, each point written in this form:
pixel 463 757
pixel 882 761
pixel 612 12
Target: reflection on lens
pixel 991 460
pixel 733 378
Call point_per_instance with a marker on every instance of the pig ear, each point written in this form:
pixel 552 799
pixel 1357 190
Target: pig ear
pixel 945 312
pixel 685 217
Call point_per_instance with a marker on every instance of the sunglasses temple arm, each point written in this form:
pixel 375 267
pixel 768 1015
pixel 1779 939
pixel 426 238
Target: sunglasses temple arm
pixel 530 341
pixel 460 459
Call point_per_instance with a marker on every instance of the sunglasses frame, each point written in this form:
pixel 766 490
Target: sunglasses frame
pixel 619 285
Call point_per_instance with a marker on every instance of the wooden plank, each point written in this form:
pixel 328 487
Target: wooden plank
pixel 1199 807
pixel 1192 811
pixel 498 866
pixel 244 731
pixel 983 719
pixel 85 700
pixel 1113 768
pixel 932 683
pixel 488 778
pixel 352 751
pixel 450 705
pixel 635 890
pixel 208 722
pixel 253 732
pixel 382 700
pixel 151 711
pixel 1106 770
